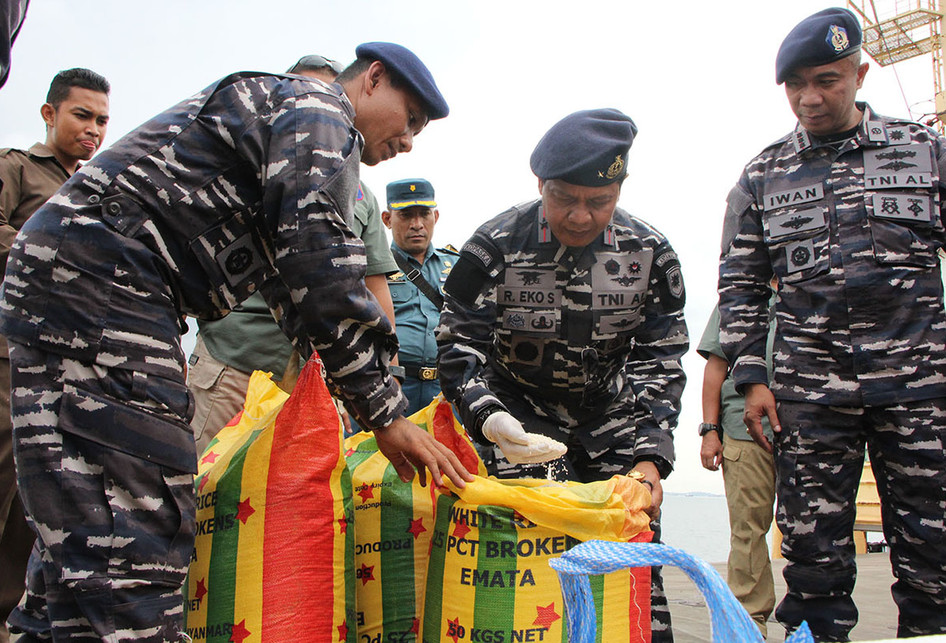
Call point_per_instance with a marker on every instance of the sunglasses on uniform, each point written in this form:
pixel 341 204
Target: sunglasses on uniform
pixel 314 61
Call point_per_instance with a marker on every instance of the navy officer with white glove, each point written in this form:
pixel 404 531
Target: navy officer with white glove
pixel 562 331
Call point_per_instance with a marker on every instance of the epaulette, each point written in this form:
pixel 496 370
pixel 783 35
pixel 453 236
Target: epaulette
pixel 779 141
pixel 449 248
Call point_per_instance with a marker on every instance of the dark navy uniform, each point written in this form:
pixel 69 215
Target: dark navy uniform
pixel 575 337
pixel 852 229
pixel 581 345
pixel 416 318
pixel 584 345
pixel 244 187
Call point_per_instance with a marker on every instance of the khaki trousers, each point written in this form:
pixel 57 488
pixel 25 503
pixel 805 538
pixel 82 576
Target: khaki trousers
pixel 749 477
pixel 219 391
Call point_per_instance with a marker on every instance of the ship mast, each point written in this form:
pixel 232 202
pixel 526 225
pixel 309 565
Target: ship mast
pixel 914 29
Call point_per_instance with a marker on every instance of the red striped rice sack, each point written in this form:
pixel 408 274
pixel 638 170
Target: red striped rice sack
pixel 393 524
pixel 273 559
pixel 489 579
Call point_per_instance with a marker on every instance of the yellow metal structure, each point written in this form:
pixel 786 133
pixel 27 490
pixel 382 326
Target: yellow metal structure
pixel 904 29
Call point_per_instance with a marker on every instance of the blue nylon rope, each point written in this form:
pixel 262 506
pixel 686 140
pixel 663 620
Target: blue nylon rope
pixel 729 621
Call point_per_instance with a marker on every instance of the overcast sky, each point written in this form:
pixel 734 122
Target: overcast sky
pixel 698 81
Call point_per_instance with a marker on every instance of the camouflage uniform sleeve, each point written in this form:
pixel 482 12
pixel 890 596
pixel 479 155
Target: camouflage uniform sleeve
pixel 302 143
pixel 744 273
pixel 465 332
pixel 655 365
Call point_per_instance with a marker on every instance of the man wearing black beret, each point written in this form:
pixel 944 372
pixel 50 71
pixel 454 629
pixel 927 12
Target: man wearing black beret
pixel 244 187
pixel 562 329
pixel 847 213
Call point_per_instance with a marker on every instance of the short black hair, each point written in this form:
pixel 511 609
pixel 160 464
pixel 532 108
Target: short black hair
pixel 361 65
pixel 77 77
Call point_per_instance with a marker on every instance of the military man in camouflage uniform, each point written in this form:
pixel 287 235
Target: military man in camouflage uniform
pixel 245 186
pixel 563 317
pixel 847 212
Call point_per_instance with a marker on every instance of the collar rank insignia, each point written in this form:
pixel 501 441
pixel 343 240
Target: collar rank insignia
pixel 801 139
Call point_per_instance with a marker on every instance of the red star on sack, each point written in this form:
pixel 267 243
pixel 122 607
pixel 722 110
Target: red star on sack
pixel 201 590
pixel 244 511
pixel 417 528
pixel 239 632
pixel 415 626
pixel 202 484
pixel 342 525
pixel 461 530
pixel 366 493
pixel 367 573
pixel 349 453
pixel 342 631
pixel 210 457
pixel 453 629
pixel 546 616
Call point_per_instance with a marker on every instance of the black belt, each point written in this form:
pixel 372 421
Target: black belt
pixel 424 373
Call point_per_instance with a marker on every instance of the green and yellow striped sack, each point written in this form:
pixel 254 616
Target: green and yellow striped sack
pixel 393 524
pixel 489 578
pixel 273 560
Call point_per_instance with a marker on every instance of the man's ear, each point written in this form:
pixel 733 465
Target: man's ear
pixel 861 73
pixel 48 112
pixel 373 76
pixel 386 219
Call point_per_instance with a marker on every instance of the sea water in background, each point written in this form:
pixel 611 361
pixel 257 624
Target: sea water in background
pixel 697 523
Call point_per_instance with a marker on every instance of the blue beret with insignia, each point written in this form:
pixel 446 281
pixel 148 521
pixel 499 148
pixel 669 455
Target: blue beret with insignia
pixel 408 193
pixel 408 66
pixel 819 39
pixel 586 148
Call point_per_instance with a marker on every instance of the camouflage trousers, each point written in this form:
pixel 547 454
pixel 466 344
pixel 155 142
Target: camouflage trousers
pixel 576 465
pixel 115 528
pixel 819 459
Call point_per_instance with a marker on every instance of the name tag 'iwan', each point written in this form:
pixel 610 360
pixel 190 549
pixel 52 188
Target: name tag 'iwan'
pixel 795 196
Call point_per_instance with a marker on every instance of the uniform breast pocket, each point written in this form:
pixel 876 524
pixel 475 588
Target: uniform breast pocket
pixel 902 228
pixel 798 243
pixel 400 291
pixel 230 257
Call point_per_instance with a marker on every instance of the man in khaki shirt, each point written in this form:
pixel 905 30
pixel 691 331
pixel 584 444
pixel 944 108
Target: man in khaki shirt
pixel 76 117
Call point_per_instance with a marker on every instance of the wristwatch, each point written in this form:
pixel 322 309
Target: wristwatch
pixel 706 427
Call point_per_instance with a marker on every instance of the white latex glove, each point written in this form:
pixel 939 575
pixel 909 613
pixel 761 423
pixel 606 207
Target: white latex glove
pixel 518 446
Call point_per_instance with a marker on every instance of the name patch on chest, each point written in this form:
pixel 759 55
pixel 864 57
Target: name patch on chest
pixel 529 288
pixel 902 166
pixel 795 196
